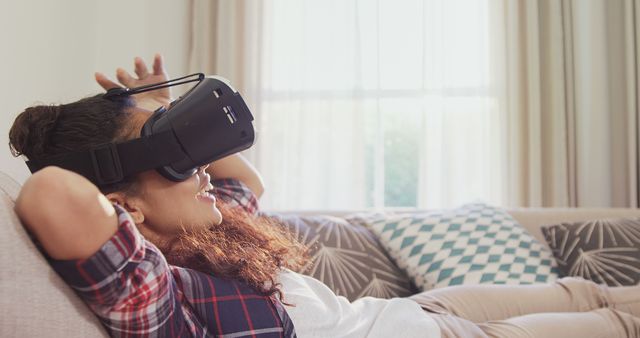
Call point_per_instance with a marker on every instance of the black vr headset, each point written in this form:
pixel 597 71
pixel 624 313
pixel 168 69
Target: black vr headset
pixel 207 123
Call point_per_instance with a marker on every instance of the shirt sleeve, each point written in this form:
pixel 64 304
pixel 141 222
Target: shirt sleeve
pixel 127 283
pixel 236 194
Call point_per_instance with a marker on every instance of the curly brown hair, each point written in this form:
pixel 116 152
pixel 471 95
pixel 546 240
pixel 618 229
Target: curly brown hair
pixel 249 248
pixel 244 247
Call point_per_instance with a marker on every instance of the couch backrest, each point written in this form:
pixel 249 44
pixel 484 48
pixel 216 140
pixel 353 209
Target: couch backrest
pixel 34 301
pixel 531 218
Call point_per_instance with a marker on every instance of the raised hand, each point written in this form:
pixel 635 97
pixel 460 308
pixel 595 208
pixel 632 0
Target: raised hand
pixel 150 100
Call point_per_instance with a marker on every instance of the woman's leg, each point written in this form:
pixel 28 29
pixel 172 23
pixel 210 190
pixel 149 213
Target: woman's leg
pixel 624 298
pixel 482 303
pixel 601 323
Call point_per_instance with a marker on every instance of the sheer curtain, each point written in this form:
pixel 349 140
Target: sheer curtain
pixel 366 103
pixel 432 103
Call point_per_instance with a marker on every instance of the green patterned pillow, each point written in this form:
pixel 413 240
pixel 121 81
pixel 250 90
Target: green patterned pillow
pixel 474 244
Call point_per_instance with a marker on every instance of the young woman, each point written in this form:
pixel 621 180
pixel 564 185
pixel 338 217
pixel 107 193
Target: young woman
pixel 153 257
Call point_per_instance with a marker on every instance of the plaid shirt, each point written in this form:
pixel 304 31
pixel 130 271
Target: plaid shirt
pixel 135 293
pixel 236 194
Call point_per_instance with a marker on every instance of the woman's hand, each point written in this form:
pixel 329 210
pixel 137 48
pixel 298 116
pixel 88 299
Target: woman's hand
pixel 150 100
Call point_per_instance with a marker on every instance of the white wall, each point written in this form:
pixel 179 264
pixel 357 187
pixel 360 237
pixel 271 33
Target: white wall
pixel 49 51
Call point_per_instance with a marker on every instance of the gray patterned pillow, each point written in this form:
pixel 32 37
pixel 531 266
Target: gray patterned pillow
pixel 604 251
pixel 348 258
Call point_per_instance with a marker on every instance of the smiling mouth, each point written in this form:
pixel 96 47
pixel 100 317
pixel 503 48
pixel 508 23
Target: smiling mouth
pixel 205 193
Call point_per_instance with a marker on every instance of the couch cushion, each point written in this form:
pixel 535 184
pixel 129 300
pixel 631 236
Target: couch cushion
pixel 606 251
pixel 348 258
pixel 35 300
pixel 473 244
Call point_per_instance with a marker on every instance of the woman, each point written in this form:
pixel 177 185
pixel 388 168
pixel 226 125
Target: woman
pixel 153 257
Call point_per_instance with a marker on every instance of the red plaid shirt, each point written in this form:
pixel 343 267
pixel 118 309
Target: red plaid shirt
pixel 135 293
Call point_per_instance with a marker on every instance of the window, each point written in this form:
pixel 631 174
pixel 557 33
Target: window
pixel 375 104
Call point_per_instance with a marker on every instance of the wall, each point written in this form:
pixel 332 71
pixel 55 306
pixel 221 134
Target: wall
pixel 49 51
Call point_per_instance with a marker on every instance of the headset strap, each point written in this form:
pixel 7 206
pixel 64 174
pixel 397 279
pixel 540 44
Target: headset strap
pixel 111 162
pixel 123 91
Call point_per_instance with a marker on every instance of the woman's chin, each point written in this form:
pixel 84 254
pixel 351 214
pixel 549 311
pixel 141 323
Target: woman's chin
pixel 216 218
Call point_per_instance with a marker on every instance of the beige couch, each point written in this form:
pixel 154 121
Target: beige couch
pixel 35 302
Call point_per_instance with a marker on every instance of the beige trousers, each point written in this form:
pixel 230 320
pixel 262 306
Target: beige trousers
pixel 570 307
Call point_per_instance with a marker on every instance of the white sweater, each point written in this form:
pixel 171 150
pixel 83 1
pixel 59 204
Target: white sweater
pixel 318 312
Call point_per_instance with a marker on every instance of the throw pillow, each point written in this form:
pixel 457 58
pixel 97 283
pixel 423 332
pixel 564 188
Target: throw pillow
pixel 474 244
pixel 348 258
pixel 604 251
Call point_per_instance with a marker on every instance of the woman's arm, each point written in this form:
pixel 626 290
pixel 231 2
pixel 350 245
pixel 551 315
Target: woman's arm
pixel 236 166
pixel 125 280
pixel 66 213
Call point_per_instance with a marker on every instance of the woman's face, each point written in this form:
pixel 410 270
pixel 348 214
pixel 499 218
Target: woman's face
pixel 168 207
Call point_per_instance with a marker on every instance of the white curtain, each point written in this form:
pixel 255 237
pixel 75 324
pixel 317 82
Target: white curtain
pixel 432 103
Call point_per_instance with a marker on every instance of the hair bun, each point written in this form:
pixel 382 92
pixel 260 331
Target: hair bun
pixel 31 130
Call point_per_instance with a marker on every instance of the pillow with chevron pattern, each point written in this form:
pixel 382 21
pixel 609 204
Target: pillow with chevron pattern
pixel 473 244
pixel 604 251
pixel 347 258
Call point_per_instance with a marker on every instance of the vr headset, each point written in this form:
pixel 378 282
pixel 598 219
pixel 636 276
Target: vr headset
pixel 209 122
